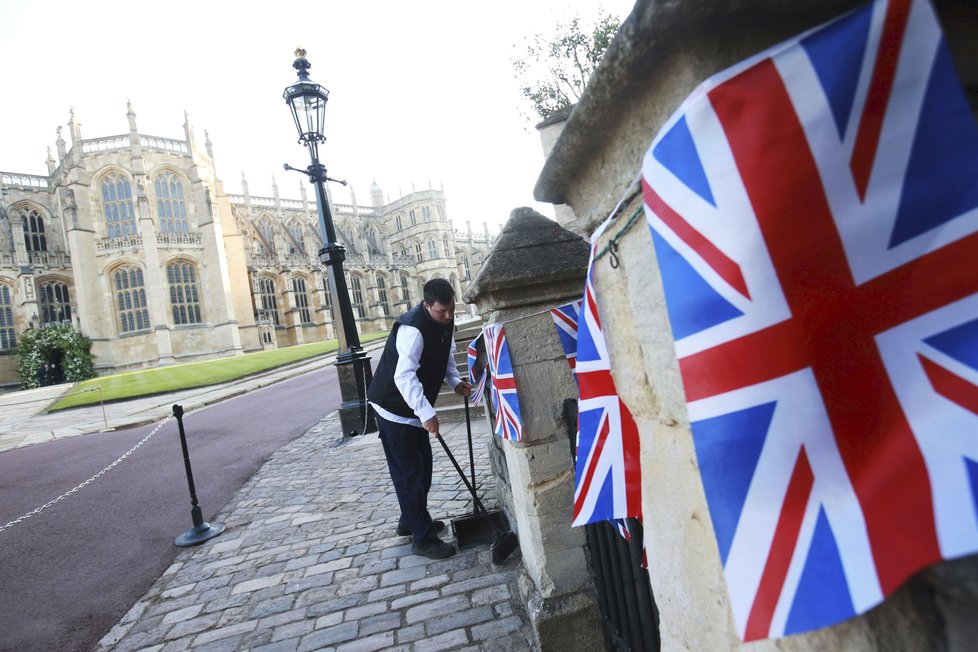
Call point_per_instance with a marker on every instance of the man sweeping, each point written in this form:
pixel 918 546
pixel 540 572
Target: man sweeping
pixel 416 361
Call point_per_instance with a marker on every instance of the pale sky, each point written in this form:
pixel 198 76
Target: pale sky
pixel 419 90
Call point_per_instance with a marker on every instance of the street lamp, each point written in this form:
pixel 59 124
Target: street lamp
pixel 307 100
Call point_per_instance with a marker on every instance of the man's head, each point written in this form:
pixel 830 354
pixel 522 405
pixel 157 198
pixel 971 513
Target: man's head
pixel 439 300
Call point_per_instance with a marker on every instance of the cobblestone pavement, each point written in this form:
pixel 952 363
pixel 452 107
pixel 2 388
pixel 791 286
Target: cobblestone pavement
pixel 310 561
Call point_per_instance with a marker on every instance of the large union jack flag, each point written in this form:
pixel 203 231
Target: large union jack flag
pixel 608 478
pixel 565 320
pixel 814 213
pixel 502 385
pixel 477 373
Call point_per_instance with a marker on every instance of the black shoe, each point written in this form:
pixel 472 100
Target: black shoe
pixel 403 531
pixel 433 548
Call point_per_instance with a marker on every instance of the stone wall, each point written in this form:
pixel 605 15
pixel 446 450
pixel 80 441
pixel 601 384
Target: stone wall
pixel 661 53
pixel 534 266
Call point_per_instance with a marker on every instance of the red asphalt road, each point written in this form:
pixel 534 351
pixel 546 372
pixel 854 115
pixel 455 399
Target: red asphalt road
pixel 69 573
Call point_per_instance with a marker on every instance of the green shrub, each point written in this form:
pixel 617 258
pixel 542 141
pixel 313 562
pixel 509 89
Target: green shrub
pixel 61 345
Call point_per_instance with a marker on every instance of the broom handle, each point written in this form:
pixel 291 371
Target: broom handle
pixel 471 489
pixel 468 431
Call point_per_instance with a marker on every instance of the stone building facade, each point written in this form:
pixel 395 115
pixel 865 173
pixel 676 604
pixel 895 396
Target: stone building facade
pixel 133 240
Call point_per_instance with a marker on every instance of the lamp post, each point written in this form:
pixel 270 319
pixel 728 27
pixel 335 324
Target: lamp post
pixel 307 100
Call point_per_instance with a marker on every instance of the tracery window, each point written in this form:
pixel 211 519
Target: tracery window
pixel 181 276
pixel 432 250
pixel 301 299
pixel 414 217
pixel 269 304
pixel 382 295
pixel 426 213
pixel 448 248
pixel 130 297
pixel 465 267
pixel 34 237
pixel 418 253
pixel 170 206
pixel 397 222
pixel 441 213
pixel 120 217
pixel 7 338
pixel 298 244
pixel 268 234
pixel 54 303
pixel 405 288
pixel 357 286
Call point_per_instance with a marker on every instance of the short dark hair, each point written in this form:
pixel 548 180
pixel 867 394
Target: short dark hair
pixel 438 290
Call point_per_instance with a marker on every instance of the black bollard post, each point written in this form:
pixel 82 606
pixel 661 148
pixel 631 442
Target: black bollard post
pixel 201 531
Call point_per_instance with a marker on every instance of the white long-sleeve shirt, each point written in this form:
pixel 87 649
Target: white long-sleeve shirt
pixel 410 345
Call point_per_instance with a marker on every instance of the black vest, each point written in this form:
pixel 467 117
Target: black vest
pixel 437 340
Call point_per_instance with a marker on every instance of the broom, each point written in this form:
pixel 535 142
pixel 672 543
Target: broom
pixel 506 542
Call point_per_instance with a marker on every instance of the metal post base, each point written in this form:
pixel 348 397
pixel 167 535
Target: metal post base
pixel 355 373
pixel 199 534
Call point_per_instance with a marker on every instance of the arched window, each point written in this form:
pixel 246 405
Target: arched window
pixel 120 217
pixel 405 289
pixel 418 253
pixel 465 267
pixel 7 339
pixel 441 213
pixel 259 247
pixel 432 250
pixel 267 233
pixel 382 295
pixel 414 217
pixel 269 304
pixel 426 213
pixel 170 207
pixel 181 276
pixel 397 222
pixel 301 299
pixel 130 297
pixel 34 236
pixel 54 303
pixel 357 286
pixel 298 244
pixel 447 247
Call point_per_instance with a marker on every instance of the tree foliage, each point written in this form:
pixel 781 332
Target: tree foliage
pixel 59 345
pixel 554 69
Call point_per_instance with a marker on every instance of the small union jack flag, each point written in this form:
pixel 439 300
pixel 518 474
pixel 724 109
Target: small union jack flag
pixel 505 401
pixel 608 478
pixel 814 212
pixel 477 373
pixel 625 528
pixel 565 319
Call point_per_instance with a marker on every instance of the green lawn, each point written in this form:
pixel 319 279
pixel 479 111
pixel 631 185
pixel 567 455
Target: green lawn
pixel 161 380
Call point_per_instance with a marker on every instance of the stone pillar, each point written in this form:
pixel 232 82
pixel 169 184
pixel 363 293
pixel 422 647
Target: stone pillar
pixel 550 130
pixel 536 265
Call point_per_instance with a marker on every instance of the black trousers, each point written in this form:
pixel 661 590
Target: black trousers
pixel 408 451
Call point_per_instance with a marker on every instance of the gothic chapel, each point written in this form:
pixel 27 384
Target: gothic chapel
pixel 132 240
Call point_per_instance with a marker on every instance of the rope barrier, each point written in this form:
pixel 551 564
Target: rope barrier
pixel 89 481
